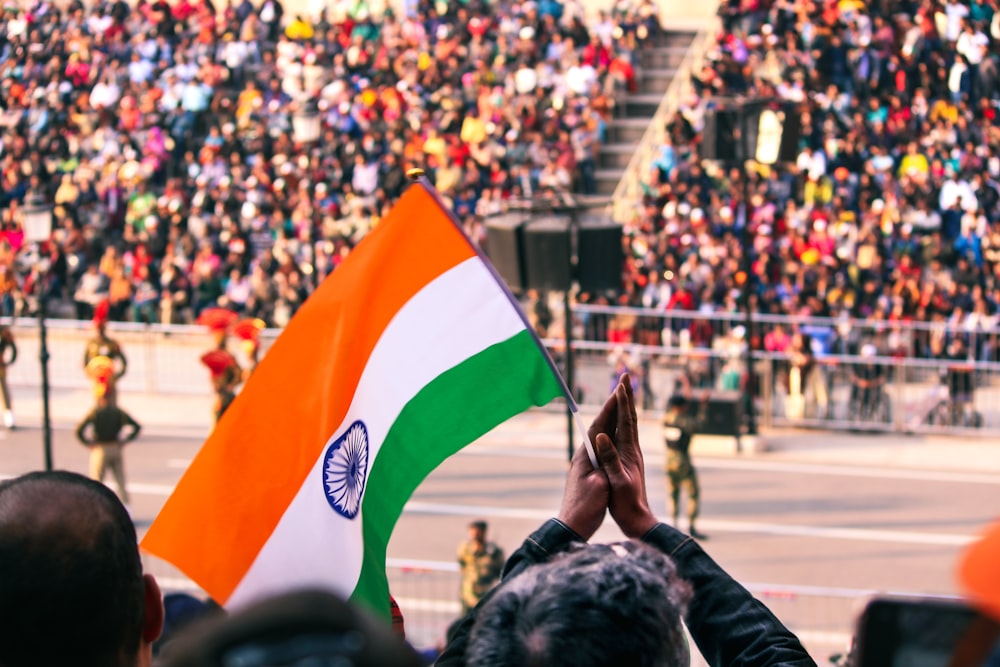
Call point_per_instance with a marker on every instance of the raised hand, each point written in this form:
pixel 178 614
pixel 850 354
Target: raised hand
pixel 585 498
pixel 621 460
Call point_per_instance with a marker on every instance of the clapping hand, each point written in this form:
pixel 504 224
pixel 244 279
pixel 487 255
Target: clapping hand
pixel 585 498
pixel 621 460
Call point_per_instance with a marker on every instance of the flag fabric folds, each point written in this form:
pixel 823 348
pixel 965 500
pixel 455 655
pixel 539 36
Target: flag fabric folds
pixel 409 351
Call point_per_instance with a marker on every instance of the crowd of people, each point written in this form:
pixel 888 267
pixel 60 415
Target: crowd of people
pixel 69 556
pixel 890 211
pixel 164 136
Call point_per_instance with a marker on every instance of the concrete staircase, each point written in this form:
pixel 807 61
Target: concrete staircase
pixel 658 64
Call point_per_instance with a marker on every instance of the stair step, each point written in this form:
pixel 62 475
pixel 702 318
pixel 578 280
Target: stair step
pixel 674 39
pixel 642 105
pixel 615 159
pixel 671 56
pixel 656 80
pixel 627 130
pixel 607 180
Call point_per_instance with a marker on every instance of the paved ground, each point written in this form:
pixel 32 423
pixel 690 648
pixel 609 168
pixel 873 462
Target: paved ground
pixel 810 521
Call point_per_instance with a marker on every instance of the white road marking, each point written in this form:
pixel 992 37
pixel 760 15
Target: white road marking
pixel 181 464
pixel 877 472
pixel 717 525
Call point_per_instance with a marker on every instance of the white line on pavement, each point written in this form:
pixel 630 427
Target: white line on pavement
pixel 716 525
pixel 877 472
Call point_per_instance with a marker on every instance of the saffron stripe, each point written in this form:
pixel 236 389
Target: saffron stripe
pixel 254 463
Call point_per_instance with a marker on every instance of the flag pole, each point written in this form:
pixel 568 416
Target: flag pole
pixel 418 178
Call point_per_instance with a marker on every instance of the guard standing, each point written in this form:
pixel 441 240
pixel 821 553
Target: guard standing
pixel 226 374
pixel 481 563
pixel 101 430
pixel 678 428
pixel 7 344
pixel 103 346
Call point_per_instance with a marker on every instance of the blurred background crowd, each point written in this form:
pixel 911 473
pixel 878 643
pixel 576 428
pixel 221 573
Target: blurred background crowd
pixel 890 213
pixel 163 133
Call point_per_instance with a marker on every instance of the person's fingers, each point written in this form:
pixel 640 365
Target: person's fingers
pixel 624 433
pixel 611 463
pixel 605 420
pixel 580 464
pixel 630 396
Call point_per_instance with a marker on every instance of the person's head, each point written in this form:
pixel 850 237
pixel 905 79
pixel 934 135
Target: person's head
pixel 72 591
pixel 302 627
pixel 677 403
pixel 477 531
pixel 618 604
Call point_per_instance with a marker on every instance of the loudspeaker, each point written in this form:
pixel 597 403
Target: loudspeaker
pixel 505 248
pixel 772 133
pixel 600 259
pixel 719 136
pixel 723 414
pixel 547 254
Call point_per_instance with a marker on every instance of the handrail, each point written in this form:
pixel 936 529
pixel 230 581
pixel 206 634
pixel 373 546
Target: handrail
pixel 628 192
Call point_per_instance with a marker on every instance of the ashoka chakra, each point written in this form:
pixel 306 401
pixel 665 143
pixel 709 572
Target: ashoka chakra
pixel 345 467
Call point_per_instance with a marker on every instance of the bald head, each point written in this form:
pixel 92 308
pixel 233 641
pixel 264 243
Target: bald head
pixel 71 583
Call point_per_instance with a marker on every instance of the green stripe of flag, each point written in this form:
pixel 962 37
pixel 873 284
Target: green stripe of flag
pixel 446 415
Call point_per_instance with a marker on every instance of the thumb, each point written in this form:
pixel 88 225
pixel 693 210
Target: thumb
pixel 607 456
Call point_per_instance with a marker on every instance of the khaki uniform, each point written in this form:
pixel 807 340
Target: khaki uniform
pixel 678 428
pixel 481 566
pixel 101 431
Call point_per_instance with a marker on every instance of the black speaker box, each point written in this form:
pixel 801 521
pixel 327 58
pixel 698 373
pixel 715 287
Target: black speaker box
pixel 505 248
pixel 723 414
pixel 547 254
pixel 600 259
pixel 719 136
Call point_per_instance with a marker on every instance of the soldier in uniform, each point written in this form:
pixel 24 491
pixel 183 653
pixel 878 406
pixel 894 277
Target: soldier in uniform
pixel 481 563
pixel 103 346
pixel 226 373
pixel 104 428
pixel 248 331
pixel 678 428
pixel 6 345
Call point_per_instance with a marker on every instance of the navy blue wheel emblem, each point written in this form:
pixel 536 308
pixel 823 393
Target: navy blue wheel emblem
pixel 345 467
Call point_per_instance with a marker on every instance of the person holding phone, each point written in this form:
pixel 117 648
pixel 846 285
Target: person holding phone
pixel 562 601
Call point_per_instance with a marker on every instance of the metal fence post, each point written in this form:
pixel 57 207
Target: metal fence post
pixel 767 391
pixel 898 409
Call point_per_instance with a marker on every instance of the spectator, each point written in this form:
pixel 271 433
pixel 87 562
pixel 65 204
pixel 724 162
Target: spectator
pixel 70 560
pixel 887 194
pixel 563 618
pixel 170 129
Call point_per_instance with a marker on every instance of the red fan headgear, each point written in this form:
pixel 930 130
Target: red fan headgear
pixel 217 319
pixel 217 362
pixel 249 329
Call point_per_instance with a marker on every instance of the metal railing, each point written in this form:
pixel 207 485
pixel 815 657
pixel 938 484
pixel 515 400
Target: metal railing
pixel 908 394
pixel 630 189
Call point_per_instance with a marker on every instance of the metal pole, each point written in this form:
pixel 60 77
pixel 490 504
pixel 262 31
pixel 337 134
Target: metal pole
pixel 747 269
pixel 568 326
pixel 43 357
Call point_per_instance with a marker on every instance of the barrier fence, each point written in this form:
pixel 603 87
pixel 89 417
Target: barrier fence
pixel 838 390
pixel 427 593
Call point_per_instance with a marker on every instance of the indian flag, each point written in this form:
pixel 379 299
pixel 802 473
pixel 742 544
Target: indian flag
pixel 408 352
